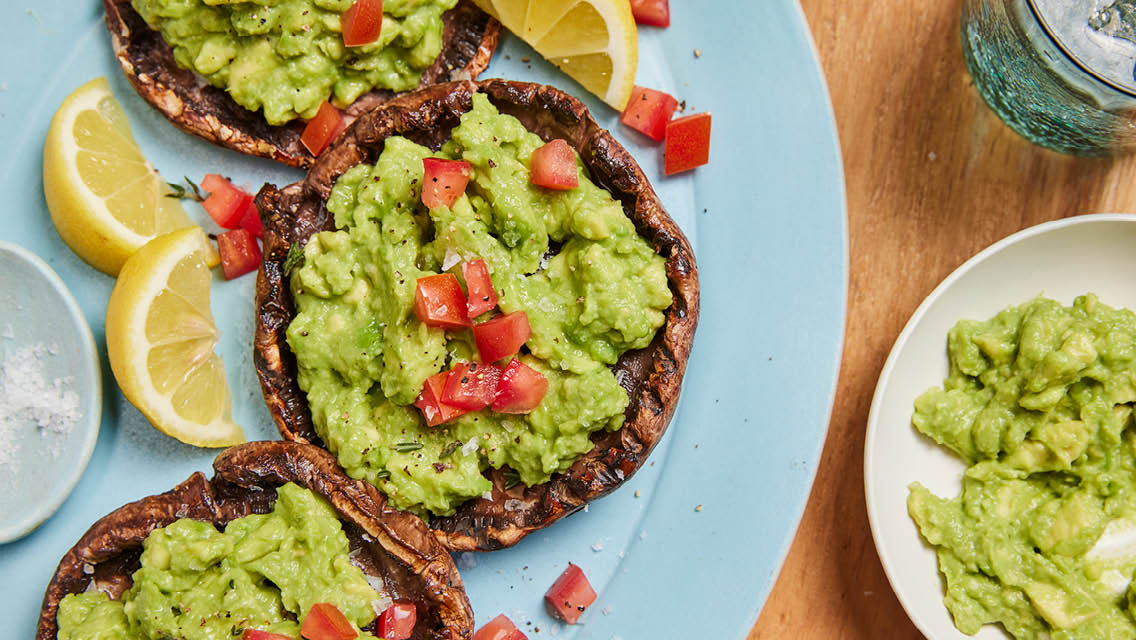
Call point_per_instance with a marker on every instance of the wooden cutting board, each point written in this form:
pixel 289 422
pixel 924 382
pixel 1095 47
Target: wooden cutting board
pixel 933 177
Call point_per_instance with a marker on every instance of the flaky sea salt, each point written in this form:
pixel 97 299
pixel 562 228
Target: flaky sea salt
pixel 466 560
pixel 451 258
pixel 382 604
pixel 28 400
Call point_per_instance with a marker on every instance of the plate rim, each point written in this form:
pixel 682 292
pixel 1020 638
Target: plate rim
pixel 872 431
pixel 92 415
pixel 841 187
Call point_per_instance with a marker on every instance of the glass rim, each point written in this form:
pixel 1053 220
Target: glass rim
pixel 1128 88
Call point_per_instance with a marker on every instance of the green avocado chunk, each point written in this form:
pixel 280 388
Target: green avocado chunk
pixel 263 572
pixel 571 260
pixel 287 56
pixel 1038 403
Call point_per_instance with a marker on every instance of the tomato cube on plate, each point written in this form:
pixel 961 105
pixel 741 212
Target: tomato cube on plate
pixel 362 23
pixel 439 302
pixel 520 389
pixel 554 166
pixel 471 386
pixel 256 634
pixel 239 253
pixel 648 112
pixel 567 598
pixel 499 628
pixel 429 401
pixel 326 622
pixel 688 143
pixel 656 13
pixel 321 130
pixel 444 181
pixel 502 336
pixel 480 295
pixel 226 203
pixel 396 622
pixel 250 220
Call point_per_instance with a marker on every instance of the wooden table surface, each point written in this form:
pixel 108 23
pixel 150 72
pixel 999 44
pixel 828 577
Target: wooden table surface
pixel 932 177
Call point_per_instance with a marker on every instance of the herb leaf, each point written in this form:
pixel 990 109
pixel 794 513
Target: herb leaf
pixel 295 258
pixel 181 193
pixel 512 478
pixel 406 447
pixel 383 474
pixel 449 449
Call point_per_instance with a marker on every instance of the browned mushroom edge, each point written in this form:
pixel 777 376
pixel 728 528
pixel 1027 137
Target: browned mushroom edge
pixel 393 545
pixel 469 38
pixel 651 376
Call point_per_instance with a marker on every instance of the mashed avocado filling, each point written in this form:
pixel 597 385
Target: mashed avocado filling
pixel 287 56
pixel 1039 404
pixel 572 260
pixel 263 572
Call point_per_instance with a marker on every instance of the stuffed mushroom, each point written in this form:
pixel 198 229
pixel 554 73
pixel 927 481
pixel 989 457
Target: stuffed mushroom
pixel 247 75
pixel 278 533
pixel 349 356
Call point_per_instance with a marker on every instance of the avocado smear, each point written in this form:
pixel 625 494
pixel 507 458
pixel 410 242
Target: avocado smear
pixel 287 56
pixel 1038 403
pixel 265 571
pixel 572 260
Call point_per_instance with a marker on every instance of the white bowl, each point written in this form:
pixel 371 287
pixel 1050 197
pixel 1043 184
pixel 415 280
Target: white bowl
pixel 1061 260
pixel 40 467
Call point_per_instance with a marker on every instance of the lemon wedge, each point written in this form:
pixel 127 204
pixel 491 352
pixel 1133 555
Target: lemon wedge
pixel 161 336
pixel 105 198
pixel 594 41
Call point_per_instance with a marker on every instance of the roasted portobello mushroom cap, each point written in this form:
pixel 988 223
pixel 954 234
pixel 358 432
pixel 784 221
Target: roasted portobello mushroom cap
pixel 393 545
pixel 652 376
pixel 469 38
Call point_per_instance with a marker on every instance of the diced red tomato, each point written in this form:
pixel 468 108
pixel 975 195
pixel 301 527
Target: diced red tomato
pixel 480 295
pixel 471 386
pixel 326 622
pixel 648 112
pixel 430 401
pixel 362 23
pixel 250 220
pixel 554 166
pixel 439 302
pixel 239 253
pixel 656 13
pixel 567 598
pixel 520 389
pixel 499 628
pixel 396 622
pixel 502 336
pixel 321 130
pixel 226 203
pixel 688 143
pixel 256 634
pixel 444 181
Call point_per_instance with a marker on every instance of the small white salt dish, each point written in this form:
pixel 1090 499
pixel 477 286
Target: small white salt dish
pixel 40 465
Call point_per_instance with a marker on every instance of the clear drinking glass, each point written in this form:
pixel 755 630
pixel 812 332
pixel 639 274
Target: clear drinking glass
pixel 1062 73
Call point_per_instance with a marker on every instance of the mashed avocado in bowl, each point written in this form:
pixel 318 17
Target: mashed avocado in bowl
pixel 1038 403
pixel 287 56
pixel 591 287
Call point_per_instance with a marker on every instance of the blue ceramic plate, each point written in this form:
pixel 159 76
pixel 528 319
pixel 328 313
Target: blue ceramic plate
pixel 766 218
